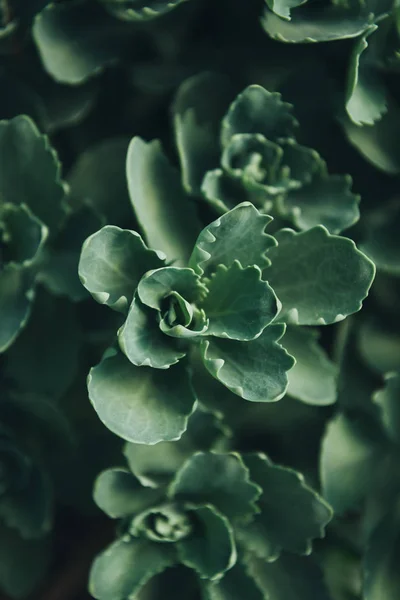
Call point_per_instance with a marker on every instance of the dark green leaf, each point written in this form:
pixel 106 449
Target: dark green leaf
pixel 236 584
pixel 291 513
pixel 121 570
pixel 210 550
pixel 221 480
pixel 16 295
pixel 23 235
pixel 141 404
pixel 388 400
pixel 142 10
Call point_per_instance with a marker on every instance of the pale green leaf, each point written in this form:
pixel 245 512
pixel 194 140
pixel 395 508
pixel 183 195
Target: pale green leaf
pixel 318 277
pixel 239 304
pixel 141 404
pixel 158 284
pixel 165 213
pixel 142 341
pixel 237 235
pixel 282 8
pixel 313 377
pixel 22 235
pixel 388 400
pixel 255 370
pixel 112 262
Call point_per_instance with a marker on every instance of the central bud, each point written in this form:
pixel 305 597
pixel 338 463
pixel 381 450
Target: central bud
pixel 166 523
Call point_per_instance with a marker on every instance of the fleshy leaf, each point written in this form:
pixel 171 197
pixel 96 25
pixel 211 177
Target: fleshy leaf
pixel 327 201
pixel 237 235
pixel 258 111
pixel 112 262
pixel 158 284
pixel 388 399
pixel 256 370
pixel 221 480
pixel 142 341
pixel 119 494
pixel 141 404
pixel 291 513
pixel 144 10
pixel 155 465
pixel 381 576
pixel 366 92
pixel 382 240
pixel 351 453
pixel 23 234
pixel 16 295
pixel 239 304
pixel 30 172
pixel 318 277
pixel 224 192
pixel 282 8
pixel 235 585
pixel 165 213
pixel 120 571
pixel 313 377
pixel 72 54
pixel 315 23
pixel 210 550
pixel 289 578
pixel 198 109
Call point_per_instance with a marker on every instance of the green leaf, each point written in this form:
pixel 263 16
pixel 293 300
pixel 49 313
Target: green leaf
pixel 98 177
pixel 313 377
pixel 155 465
pixel 382 243
pixel 141 404
pixel 122 570
pixel 158 284
pixel 30 172
pixel 210 550
pixel 44 359
pixel 221 480
pixel 327 201
pixel 282 8
pixel 142 341
pixel 291 513
pixel 388 400
pixel 198 109
pixel 119 494
pixel 318 277
pixel 142 10
pixel 59 269
pixel 316 23
pixel 166 215
pixel 16 295
pixel 379 143
pixel 366 92
pixel 72 54
pixel 237 235
pixel 289 578
pixel 112 262
pixel 351 452
pixel 256 370
pixel 235 585
pixel 256 110
pixel 239 303
pixel 224 192
pixel 22 235
pixel 23 563
pixel 381 575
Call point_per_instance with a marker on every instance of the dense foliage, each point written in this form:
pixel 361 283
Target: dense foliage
pixel 199 291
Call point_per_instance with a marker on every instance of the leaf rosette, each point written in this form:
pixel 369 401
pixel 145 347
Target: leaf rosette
pixel 260 159
pixel 198 519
